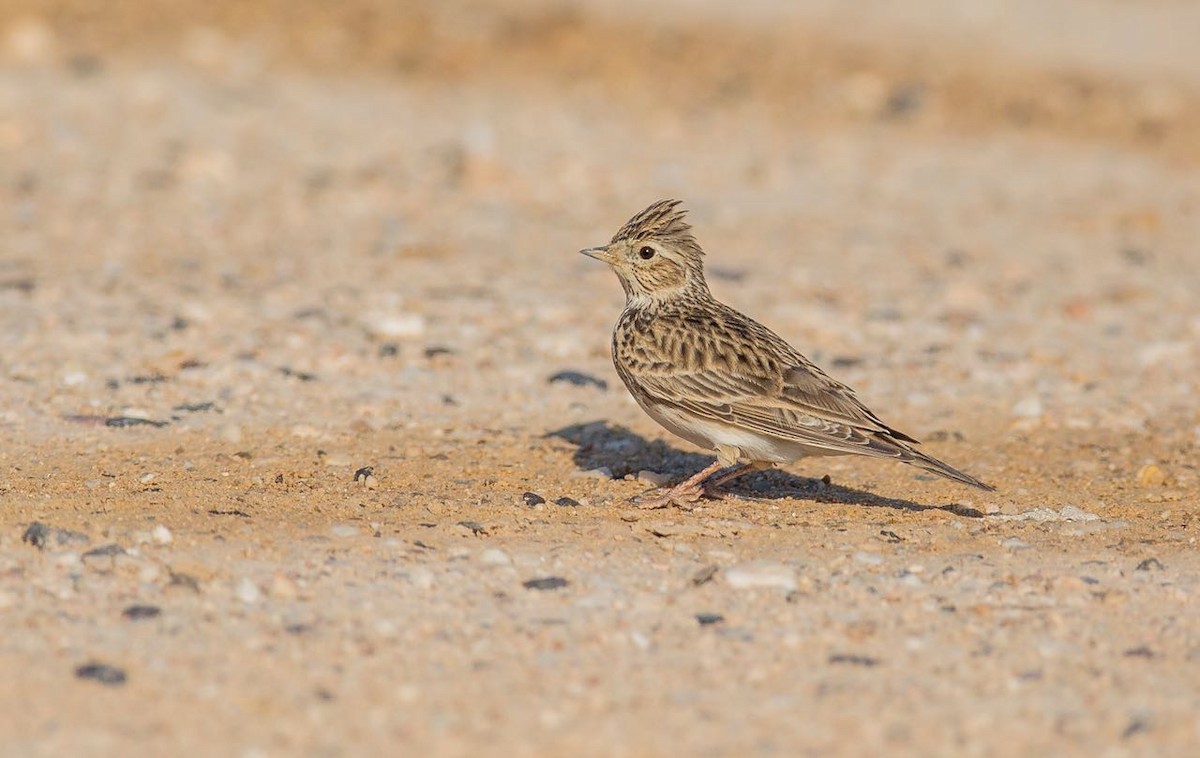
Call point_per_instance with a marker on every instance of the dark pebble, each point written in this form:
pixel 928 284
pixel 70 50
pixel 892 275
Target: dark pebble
pixel 1151 564
pixel 532 498
pixel 890 536
pixel 389 350
pixel 101 672
pixel 104 551
pixel 1139 652
pixel 141 612
pixel 121 422
pixel 196 407
pixel 545 583
pixel 39 535
pixel 304 376
pixel 228 512
pixel 434 351
pixel 364 472
pixel 578 379
pixel 567 502
pixel 474 526
pixel 709 618
pixel 854 660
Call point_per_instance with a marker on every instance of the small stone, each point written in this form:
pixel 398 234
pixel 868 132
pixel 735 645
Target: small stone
pixel 1151 476
pixel 868 559
pixel 475 527
pixel 603 472
pixel 756 574
pixel 653 478
pixel 101 672
pixel 494 557
pixel 364 472
pixel 1030 407
pixel 545 583
pixel 344 530
pixel 578 379
pixel 141 612
pixel 567 502
pixel 39 535
pixel 283 587
pixel 161 534
pixel 396 325
pixel 1150 564
pixel 147 477
pixel 705 574
pixel 1012 543
pixel 854 660
pixel 247 591
pixel 370 482
pixel 532 498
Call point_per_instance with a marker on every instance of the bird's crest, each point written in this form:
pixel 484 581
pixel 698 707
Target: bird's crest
pixel 663 220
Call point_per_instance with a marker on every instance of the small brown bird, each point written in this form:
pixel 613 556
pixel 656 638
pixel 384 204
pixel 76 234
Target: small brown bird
pixel 721 380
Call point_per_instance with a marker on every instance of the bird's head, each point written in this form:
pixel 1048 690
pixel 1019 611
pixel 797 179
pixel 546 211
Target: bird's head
pixel 655 255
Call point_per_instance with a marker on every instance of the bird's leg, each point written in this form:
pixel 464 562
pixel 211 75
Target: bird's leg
pixel 710 486
pixel 687 491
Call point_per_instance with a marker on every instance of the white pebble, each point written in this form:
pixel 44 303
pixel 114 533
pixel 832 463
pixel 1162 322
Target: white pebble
pixel 344 530
pixel 397 325
pixel 494 557
pixel 760 574
pixel 247 591
pixel 653 478
pixel 869 559
pixel 1030 407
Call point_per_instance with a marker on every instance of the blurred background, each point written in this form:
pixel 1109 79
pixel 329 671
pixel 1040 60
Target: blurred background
pixel 981 184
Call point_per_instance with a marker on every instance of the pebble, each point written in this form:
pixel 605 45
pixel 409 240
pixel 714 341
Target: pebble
pixel 653 478
pixel 578 379
pixel 706 619
pixel 545 583
pixel 494 557
pixel 532 498
pixel 603 472
pixel 344 530
pixel 868 559
pixel 1030 407
pixel 162 535
pixel 755 574
pixel 1012 543
pixel 141 612
pixel 283 587
pixel 247 591
pixel 1151 476
pixel 396 325
pixel 101 672
pixel 567 502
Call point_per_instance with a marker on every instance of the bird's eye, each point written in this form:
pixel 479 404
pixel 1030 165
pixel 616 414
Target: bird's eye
pixel 646 253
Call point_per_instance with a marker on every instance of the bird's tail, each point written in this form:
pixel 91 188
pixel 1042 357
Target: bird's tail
pixel 889 446
pixel 934 466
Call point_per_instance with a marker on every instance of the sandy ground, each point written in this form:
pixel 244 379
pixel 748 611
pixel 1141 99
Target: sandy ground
pixel 247 251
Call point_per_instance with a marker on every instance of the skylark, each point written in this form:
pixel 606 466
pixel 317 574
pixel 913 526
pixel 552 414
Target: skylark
pixel 721 380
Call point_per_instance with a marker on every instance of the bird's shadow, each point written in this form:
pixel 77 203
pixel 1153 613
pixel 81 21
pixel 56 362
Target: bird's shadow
pixel 600 444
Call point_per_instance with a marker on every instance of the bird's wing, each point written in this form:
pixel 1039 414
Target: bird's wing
pixel 800 404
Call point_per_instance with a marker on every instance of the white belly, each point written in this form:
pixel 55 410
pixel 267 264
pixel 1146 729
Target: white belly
pixel 712 435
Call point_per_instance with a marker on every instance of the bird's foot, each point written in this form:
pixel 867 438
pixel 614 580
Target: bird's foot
pixel 682 495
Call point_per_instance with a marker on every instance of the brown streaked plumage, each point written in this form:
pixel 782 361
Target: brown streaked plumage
pixel 721 380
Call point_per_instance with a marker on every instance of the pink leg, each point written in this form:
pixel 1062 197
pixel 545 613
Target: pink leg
pixel 710 487
pixel 687 491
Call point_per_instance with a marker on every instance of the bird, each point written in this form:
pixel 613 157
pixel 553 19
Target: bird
pixel 722 381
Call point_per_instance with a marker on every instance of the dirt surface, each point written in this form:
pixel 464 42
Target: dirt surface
pixel 313 447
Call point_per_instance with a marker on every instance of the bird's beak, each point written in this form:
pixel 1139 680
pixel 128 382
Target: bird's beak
pixel 599 253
